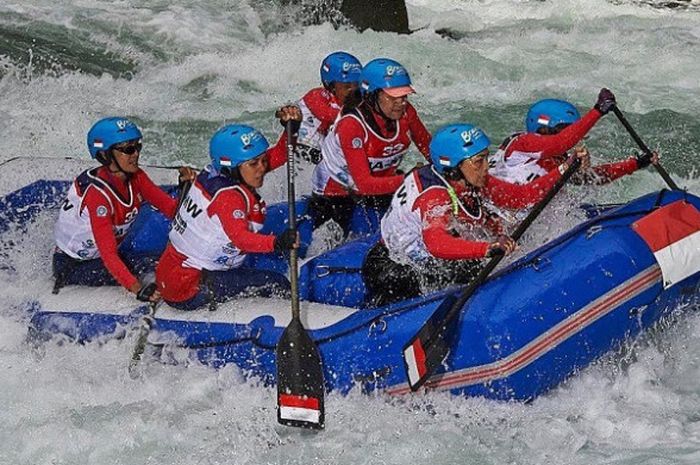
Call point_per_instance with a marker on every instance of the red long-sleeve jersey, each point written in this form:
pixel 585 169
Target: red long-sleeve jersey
pixel 109 212
pixel 358 159
pixel 216 226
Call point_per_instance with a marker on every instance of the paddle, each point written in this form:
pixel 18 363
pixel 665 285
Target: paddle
pixel 429 347
pixel 145 326
pixel 664 174
pixel 147 321
pixel 300 386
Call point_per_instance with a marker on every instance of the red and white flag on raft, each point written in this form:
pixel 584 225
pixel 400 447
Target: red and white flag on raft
pixel 673 234
pixel 299 408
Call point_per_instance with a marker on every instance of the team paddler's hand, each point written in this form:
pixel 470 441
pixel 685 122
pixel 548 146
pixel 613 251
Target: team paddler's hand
pixel 146 293
pixel 644 160
pixel 288 113
pixel 503 245
pixel 581 152
pixel 606 101
pixel 187 174
pixel 288 240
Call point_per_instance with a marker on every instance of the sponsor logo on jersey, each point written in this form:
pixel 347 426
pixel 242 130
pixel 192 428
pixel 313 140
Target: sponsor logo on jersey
pixel 356 143
pixel 229 249
pixel 238 214
pixel 101 211
pixel 192 208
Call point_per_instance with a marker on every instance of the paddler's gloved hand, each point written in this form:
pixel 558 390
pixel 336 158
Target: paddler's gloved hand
pixel 606 101
pixel 503 245
pixel 645 159
pixel 290 113
pixel 148 293
pixel 288 240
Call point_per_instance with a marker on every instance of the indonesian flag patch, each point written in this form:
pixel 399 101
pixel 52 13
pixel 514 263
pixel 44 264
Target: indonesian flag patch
pixel 414 355
pixel 299 408
pixel 444 161
pixel 224 161
pixel 673 234
pixel 98 144
pixel 543 120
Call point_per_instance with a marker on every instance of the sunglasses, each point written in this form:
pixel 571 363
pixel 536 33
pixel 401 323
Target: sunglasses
pixel 129 149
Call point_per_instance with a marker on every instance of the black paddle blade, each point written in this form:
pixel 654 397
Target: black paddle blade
pixel 300 386
pixel 427 350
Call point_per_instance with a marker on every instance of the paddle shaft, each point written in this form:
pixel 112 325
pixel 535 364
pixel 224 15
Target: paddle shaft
pixel 142 339
pixel 517 234
pixel 291 199
pixel 660 169
pixel 300 384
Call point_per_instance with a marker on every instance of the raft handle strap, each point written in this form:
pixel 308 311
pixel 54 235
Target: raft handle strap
pixel 322 271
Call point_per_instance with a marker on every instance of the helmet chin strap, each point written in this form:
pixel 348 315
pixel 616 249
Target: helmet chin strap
pixel 374 101
pixel 107 158
pixel 234 173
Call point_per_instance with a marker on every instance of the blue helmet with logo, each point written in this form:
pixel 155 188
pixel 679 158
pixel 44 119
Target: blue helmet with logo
pixel 340 67
pixel 455 143
pixel 234 144
pixel 550 113
pixel 110 131
pixel 385 73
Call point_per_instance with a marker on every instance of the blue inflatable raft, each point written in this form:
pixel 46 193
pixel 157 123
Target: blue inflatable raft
pixel 529 327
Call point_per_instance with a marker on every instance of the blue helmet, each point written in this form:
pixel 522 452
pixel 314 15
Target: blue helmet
pixel 550 113
pixel 385 73
pixel 455 143
pixel 234 144
pixel 110 131
pixel 340 67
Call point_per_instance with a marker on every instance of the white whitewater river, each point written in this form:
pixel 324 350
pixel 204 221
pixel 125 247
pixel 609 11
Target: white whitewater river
pixel 182 68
